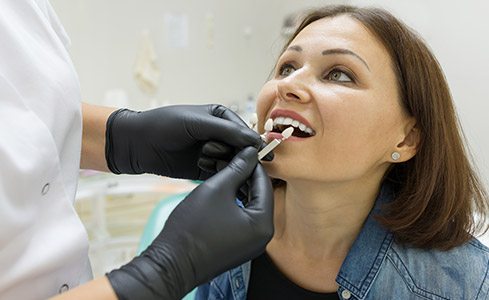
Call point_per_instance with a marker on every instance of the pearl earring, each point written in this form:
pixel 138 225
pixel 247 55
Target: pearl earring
pixel 395 155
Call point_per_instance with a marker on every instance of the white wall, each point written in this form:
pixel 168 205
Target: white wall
pixel 106 37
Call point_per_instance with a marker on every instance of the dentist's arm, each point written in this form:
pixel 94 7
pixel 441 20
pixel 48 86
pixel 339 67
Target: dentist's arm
pixel 168 140
pixel 97 289
pixel 206 234
pixel 93 139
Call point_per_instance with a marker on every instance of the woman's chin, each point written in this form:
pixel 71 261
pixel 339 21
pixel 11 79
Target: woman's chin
pixel 274 170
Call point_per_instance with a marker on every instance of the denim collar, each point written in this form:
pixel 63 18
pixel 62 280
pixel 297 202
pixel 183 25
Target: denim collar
pixel 364 259
pixel 360 266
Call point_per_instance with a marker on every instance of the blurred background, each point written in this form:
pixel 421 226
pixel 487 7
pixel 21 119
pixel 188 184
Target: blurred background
pixel 143 54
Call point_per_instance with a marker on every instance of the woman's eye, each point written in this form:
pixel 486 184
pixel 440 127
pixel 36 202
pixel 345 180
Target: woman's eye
pixel 286 70
pixel 338 75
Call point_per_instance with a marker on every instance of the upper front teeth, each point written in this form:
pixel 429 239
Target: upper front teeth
pixel 294 123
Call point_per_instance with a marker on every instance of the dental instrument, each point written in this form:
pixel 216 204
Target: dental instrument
pixel 268 125
pixel 253 121
pixel 268 128
pixel 273 144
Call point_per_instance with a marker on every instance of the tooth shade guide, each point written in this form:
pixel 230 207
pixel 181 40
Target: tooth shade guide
pixel 269 125
pixel 287 132
pixel 268 148
pixel 273 144
pixel 253 120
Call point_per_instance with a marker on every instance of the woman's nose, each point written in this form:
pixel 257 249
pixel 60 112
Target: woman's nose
pixel 293 89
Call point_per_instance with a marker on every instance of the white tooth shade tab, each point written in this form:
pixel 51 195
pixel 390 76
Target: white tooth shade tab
pixel 294 123
pixel 253 119
pixel 269 125
pixel 287 132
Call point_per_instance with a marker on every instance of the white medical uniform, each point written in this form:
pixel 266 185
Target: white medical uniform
pixel 43 244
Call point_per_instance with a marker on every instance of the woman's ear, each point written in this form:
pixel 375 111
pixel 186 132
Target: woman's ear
pixel 408 147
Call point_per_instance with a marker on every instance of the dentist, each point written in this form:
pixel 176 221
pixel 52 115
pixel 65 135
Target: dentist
pixel 43 245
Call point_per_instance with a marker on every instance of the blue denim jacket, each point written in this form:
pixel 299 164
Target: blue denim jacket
pixel 378 268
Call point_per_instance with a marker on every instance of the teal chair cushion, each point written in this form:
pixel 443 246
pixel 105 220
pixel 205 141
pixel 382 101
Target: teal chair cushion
pixel 155 223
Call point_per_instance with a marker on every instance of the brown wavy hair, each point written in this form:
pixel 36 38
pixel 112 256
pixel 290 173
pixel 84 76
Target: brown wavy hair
pixel 440 202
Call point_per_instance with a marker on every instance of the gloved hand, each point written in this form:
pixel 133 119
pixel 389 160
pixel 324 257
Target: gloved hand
pixel 168 140
pixel 206 234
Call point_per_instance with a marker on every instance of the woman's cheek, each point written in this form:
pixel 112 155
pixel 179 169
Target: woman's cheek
pixel 264 102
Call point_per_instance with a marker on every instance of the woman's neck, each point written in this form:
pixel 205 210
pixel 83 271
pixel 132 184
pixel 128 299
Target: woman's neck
pixel 321 221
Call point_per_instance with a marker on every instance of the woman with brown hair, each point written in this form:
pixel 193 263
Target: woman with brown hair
pixel 375 196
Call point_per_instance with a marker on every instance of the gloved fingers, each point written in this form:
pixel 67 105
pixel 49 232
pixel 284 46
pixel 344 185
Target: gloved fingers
pixel 225 113
pixel 242 194
pixel 218 150
pixel 221 164
pixel 218 164
pixel 269 157
pixel 260 192
pixel 211 165
pixel 227 131
pixel 215 156
pixel 207 164
pixel 237 171
pixel 205 174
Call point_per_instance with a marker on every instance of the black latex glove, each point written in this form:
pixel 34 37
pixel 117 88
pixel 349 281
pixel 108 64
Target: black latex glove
pixel 206 234
pixel 216 155
pixel 168 140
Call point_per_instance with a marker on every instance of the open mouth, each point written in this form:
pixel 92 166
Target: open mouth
pixel 300 129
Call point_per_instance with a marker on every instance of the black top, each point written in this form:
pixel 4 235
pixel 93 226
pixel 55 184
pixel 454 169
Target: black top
pixel 267 282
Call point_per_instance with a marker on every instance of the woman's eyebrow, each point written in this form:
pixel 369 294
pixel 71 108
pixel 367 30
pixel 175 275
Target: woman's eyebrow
pixel 298 48
pixel 294 48
pixel 345 51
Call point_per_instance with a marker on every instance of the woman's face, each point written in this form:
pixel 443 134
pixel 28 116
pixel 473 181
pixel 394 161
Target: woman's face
pixel 337 79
